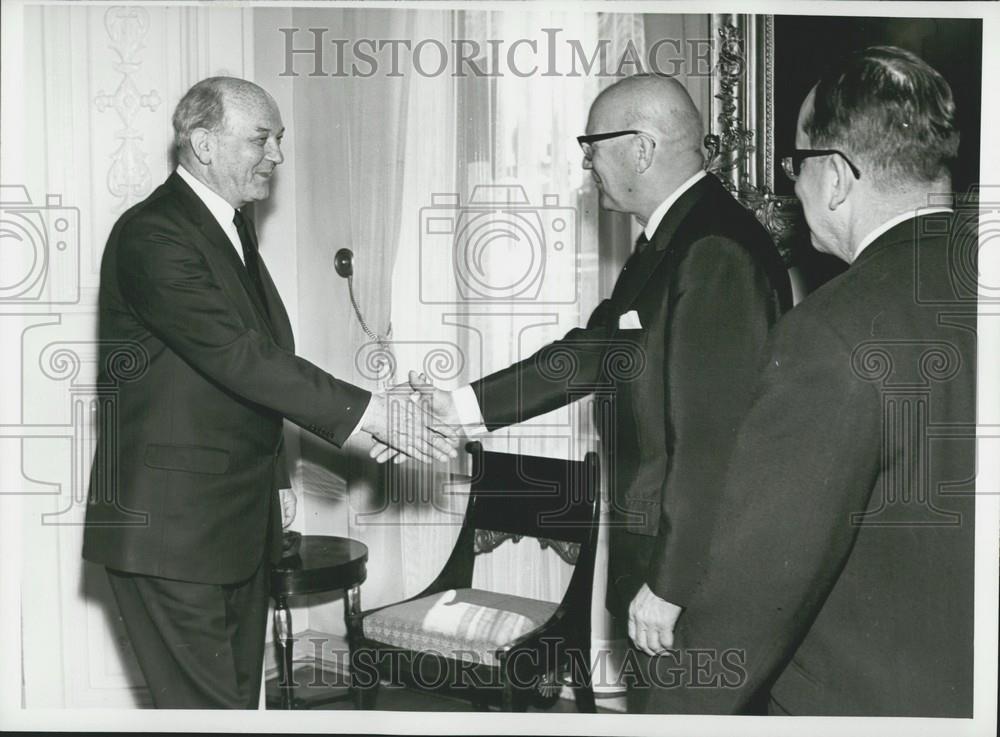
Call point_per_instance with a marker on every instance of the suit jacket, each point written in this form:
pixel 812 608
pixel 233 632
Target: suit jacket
pixel 842 569
pixel 199 379
pixel 670 395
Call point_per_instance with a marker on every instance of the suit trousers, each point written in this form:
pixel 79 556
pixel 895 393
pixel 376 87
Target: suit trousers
pixel 656 677
pixel 199 646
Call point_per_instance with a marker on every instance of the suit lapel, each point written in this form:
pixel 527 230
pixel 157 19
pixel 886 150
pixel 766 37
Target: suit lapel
pixel 233 274
pixel 639 270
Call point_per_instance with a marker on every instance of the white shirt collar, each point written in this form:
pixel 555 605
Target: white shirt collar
pixel 658 214
pixel 220 209
pixel 892 223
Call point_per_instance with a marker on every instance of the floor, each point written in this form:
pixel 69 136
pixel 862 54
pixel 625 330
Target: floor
pixel 314 684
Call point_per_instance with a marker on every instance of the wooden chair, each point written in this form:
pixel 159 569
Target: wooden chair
pixel 484 642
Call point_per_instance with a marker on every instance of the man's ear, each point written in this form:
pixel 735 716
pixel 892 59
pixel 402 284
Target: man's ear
pixel 202 144
pixel 644 153
pixel 842 180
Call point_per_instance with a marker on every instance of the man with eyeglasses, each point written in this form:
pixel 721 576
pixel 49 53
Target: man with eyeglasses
pixel 842 571
pixel 691 308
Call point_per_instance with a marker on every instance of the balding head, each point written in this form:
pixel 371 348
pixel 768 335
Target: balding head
pixel 636 173
pixel 207 104
pixel 653 103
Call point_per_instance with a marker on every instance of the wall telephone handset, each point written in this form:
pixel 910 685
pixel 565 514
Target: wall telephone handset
pixel 343 263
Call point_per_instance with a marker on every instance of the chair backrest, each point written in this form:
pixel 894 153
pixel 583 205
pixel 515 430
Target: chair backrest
pixel 529 495
pixel 518 495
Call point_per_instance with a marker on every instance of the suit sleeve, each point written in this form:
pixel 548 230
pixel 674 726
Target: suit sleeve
pixel 806 459
pixel 172 291
pixel 553 376
pixel 715 338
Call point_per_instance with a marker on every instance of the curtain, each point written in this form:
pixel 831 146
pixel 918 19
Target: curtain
pixel 377 160
pixel 383 164
pixel 350 143
pixel 468 302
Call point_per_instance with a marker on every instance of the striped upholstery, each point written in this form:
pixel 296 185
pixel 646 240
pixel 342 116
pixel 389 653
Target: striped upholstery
pixel 466 624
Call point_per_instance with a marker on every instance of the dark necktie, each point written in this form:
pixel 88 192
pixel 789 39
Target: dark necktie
pixel 630 270
pixel 248 240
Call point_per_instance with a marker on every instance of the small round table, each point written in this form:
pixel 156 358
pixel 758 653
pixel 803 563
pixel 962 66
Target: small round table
pixel 322 563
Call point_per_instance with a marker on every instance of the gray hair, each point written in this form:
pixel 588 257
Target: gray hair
pixel 205 104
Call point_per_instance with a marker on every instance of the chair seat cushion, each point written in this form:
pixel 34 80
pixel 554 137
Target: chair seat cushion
pixel 465 624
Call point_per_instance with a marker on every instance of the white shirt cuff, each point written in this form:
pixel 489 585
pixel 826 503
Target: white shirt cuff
pixel 469 413
pixel 361 421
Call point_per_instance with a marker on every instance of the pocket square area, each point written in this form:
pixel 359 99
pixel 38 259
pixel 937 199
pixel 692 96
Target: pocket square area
pixel 629 321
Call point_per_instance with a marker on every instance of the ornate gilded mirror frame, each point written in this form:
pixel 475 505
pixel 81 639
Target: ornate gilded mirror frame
pixel 741 142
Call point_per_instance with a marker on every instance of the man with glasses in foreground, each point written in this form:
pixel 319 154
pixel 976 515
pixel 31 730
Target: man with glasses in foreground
pixel 676 347
pixel 841 572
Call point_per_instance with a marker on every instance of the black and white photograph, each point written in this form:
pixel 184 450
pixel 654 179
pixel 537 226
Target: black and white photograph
pixel 595 367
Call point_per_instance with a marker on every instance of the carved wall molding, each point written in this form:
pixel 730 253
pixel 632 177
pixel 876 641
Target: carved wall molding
pixel 129 177
pixel 741 142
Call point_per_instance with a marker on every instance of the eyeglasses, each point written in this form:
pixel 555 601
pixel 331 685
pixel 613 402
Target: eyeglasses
pixel 586 141
pixel 793 164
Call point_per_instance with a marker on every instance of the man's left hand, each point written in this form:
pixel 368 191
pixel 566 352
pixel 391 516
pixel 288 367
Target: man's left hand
pixel 651 622
pixel 288 504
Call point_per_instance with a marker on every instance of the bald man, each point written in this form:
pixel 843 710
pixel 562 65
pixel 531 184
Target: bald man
pixel 183 508
pixel 689 313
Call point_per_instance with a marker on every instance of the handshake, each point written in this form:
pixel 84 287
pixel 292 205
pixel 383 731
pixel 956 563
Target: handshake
pixel 412 420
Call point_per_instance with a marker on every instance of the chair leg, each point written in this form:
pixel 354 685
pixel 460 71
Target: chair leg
pixel 284 642
pixel 511 699
pixel 584 697
pixel 364 697
pixel 480 700
pixel 582 681
pixel 507 698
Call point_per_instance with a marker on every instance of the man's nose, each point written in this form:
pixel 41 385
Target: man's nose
pixel 274 153
pixel 587 163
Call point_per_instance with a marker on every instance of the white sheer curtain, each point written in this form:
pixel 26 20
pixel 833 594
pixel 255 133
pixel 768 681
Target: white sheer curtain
pixel 468 302
pixel 377 160
pixel 350 142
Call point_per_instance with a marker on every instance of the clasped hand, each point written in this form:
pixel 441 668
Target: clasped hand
pixel 412 420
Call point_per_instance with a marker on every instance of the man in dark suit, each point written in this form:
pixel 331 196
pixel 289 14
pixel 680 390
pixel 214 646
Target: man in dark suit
pixel 840 578
pixel 676 347
pixel 183 508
